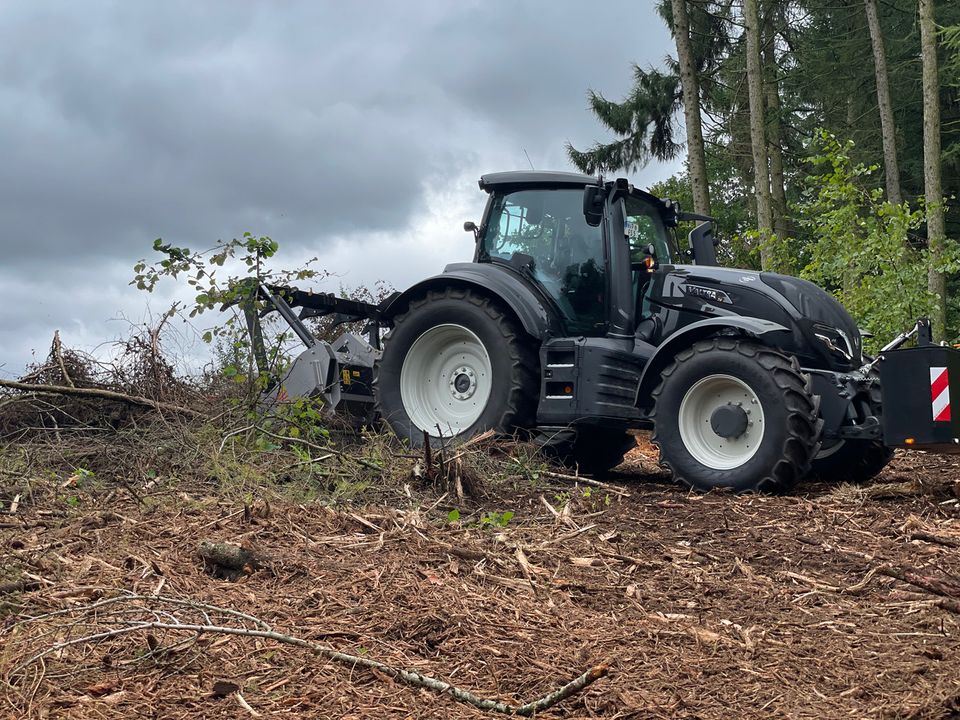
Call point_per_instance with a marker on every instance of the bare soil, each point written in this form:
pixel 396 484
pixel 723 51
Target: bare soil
pixel 705 606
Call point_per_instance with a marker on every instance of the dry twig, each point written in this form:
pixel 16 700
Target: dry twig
pixel 122 623
pixel 586 481
pixel 58 354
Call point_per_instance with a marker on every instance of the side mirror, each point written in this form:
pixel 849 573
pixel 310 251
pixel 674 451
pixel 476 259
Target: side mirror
pixel 471 226
pixel 703 244
pixel 593 199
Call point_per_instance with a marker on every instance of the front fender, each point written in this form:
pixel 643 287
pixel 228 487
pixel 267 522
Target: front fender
pixel 666 351
pixel 492 280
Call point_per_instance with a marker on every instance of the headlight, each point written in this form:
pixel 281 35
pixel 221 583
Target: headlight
pixel 835 339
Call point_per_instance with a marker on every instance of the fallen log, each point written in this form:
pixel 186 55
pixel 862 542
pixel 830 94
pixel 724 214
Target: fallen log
pixel 17 586
pixel 225 560
pixel 102 394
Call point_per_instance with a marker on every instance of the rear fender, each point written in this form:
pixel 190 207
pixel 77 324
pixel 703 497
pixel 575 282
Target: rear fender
pixel 490 280
pixel 665 353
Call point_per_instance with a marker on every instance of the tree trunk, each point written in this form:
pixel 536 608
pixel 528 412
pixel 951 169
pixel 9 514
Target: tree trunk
pixel 932 188
pixel 696 158
pixel 758 140
pixel 887 128
pixel 778 191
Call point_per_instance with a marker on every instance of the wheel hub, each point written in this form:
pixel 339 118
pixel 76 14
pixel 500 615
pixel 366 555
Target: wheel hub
pixel 729 421
pixel 463 383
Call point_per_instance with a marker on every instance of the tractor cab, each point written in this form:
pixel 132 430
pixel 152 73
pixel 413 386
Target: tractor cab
pixel 591 264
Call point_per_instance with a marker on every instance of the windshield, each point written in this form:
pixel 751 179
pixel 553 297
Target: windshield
pixel 545 230
pixel 644 226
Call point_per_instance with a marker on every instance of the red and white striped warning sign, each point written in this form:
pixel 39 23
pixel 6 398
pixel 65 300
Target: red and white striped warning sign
pixel 940 394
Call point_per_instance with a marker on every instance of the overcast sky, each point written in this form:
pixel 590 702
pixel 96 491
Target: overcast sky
pixel 351 131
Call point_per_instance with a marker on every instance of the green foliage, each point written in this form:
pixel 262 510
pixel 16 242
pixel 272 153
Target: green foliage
pixel 299 419
pixel 248 253
pixel 731 204
pixel 862 248
pixel 228 275
pixel 453 516
pixel 496 519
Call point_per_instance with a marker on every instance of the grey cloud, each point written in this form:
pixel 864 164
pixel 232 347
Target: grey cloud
pixel 316 123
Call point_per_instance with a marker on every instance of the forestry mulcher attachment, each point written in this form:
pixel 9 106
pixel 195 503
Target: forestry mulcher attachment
pixel 579 320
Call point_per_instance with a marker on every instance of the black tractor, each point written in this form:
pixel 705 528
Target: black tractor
pixel 579 320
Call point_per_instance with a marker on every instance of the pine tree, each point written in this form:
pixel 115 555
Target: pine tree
pixel 643 121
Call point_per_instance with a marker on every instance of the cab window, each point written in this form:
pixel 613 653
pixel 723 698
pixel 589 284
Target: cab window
pixel 644 226
pixel 545 231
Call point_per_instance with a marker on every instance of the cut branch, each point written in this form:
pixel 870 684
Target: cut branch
pixel 58 353
pixel 100 393
pixel 936 539
pixel 410 677
pixel 934 585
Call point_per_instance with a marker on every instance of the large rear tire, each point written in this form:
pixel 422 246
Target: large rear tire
pixel 733 414
pixel 455 364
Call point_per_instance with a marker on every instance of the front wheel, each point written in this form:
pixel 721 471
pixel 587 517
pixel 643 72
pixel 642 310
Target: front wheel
pixel 454 365
pixel 733 414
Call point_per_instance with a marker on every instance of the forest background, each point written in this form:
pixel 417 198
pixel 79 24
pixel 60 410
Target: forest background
pixel 823 136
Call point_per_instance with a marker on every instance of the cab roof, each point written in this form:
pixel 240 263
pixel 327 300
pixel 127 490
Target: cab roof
pixel 554 178
pixel 533 177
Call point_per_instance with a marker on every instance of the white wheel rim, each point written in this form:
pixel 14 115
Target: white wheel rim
pixel 445 380
pixel 701 441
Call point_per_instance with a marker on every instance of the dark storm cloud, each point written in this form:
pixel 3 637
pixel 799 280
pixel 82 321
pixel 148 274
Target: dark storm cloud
pixel 132 122
pixel 124 121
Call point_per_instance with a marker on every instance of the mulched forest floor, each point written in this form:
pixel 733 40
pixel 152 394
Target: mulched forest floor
pixel 705 606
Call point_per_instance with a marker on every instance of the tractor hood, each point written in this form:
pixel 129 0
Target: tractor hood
pixel 820 314
pixel 823 333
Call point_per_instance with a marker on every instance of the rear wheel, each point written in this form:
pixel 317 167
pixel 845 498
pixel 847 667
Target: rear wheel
pixel 733 414
pixel 455 365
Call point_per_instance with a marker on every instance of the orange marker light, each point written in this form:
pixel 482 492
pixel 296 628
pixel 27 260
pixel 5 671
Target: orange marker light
pixel 909 441
pixel 568 390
